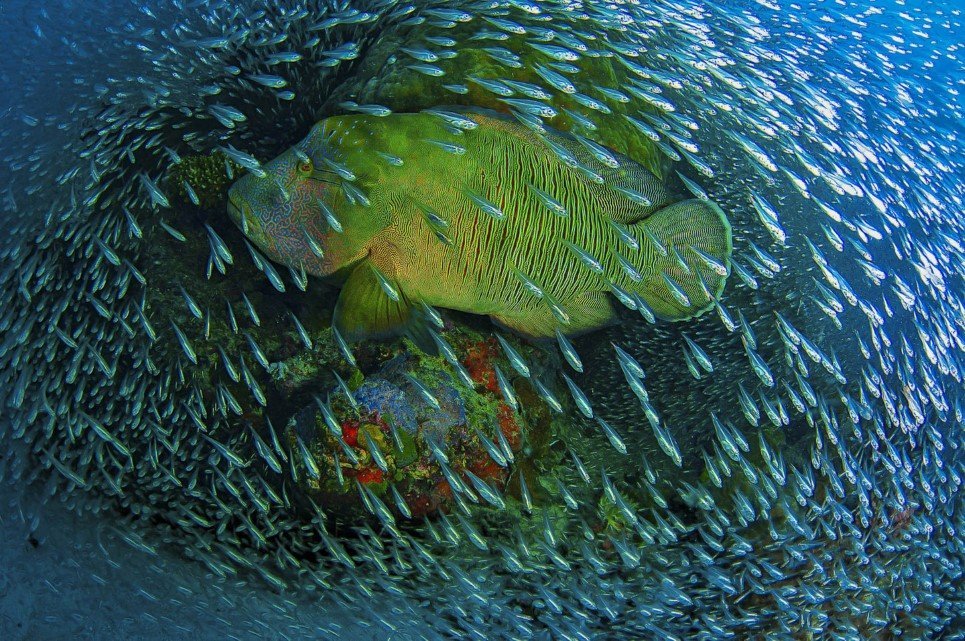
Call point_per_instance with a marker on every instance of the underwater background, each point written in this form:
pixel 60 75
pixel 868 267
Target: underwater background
pixel 190 451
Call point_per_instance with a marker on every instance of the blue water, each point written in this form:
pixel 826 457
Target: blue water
pixel 857 105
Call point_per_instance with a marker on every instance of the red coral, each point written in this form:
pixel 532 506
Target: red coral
pixel 478 362
pixel 369 475
pixel 442 491
pixel 350 432
pixel 350 427
pixel 424 501
pixel 508 426
pixel 487 469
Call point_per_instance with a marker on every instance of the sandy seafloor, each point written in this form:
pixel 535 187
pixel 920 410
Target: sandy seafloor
pixel 48 590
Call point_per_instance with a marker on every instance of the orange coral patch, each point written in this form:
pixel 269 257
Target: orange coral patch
pixel 369 475
pixel 478 362
pixel 443 491
pixel 508 425
pixel 486 469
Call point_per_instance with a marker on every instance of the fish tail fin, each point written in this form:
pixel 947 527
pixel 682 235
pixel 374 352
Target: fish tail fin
pixel 686 250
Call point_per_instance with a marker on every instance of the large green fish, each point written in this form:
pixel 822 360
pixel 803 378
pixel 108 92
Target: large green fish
pixel 474 212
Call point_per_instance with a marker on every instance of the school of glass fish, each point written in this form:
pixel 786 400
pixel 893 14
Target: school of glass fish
pixel 787 465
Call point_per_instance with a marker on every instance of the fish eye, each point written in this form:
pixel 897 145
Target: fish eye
pixel 305 166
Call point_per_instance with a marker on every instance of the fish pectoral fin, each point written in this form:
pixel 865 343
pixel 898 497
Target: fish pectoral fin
pixel 371 305
pixel 417 330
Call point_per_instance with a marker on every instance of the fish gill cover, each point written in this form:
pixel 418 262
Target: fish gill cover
pixel 786 464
